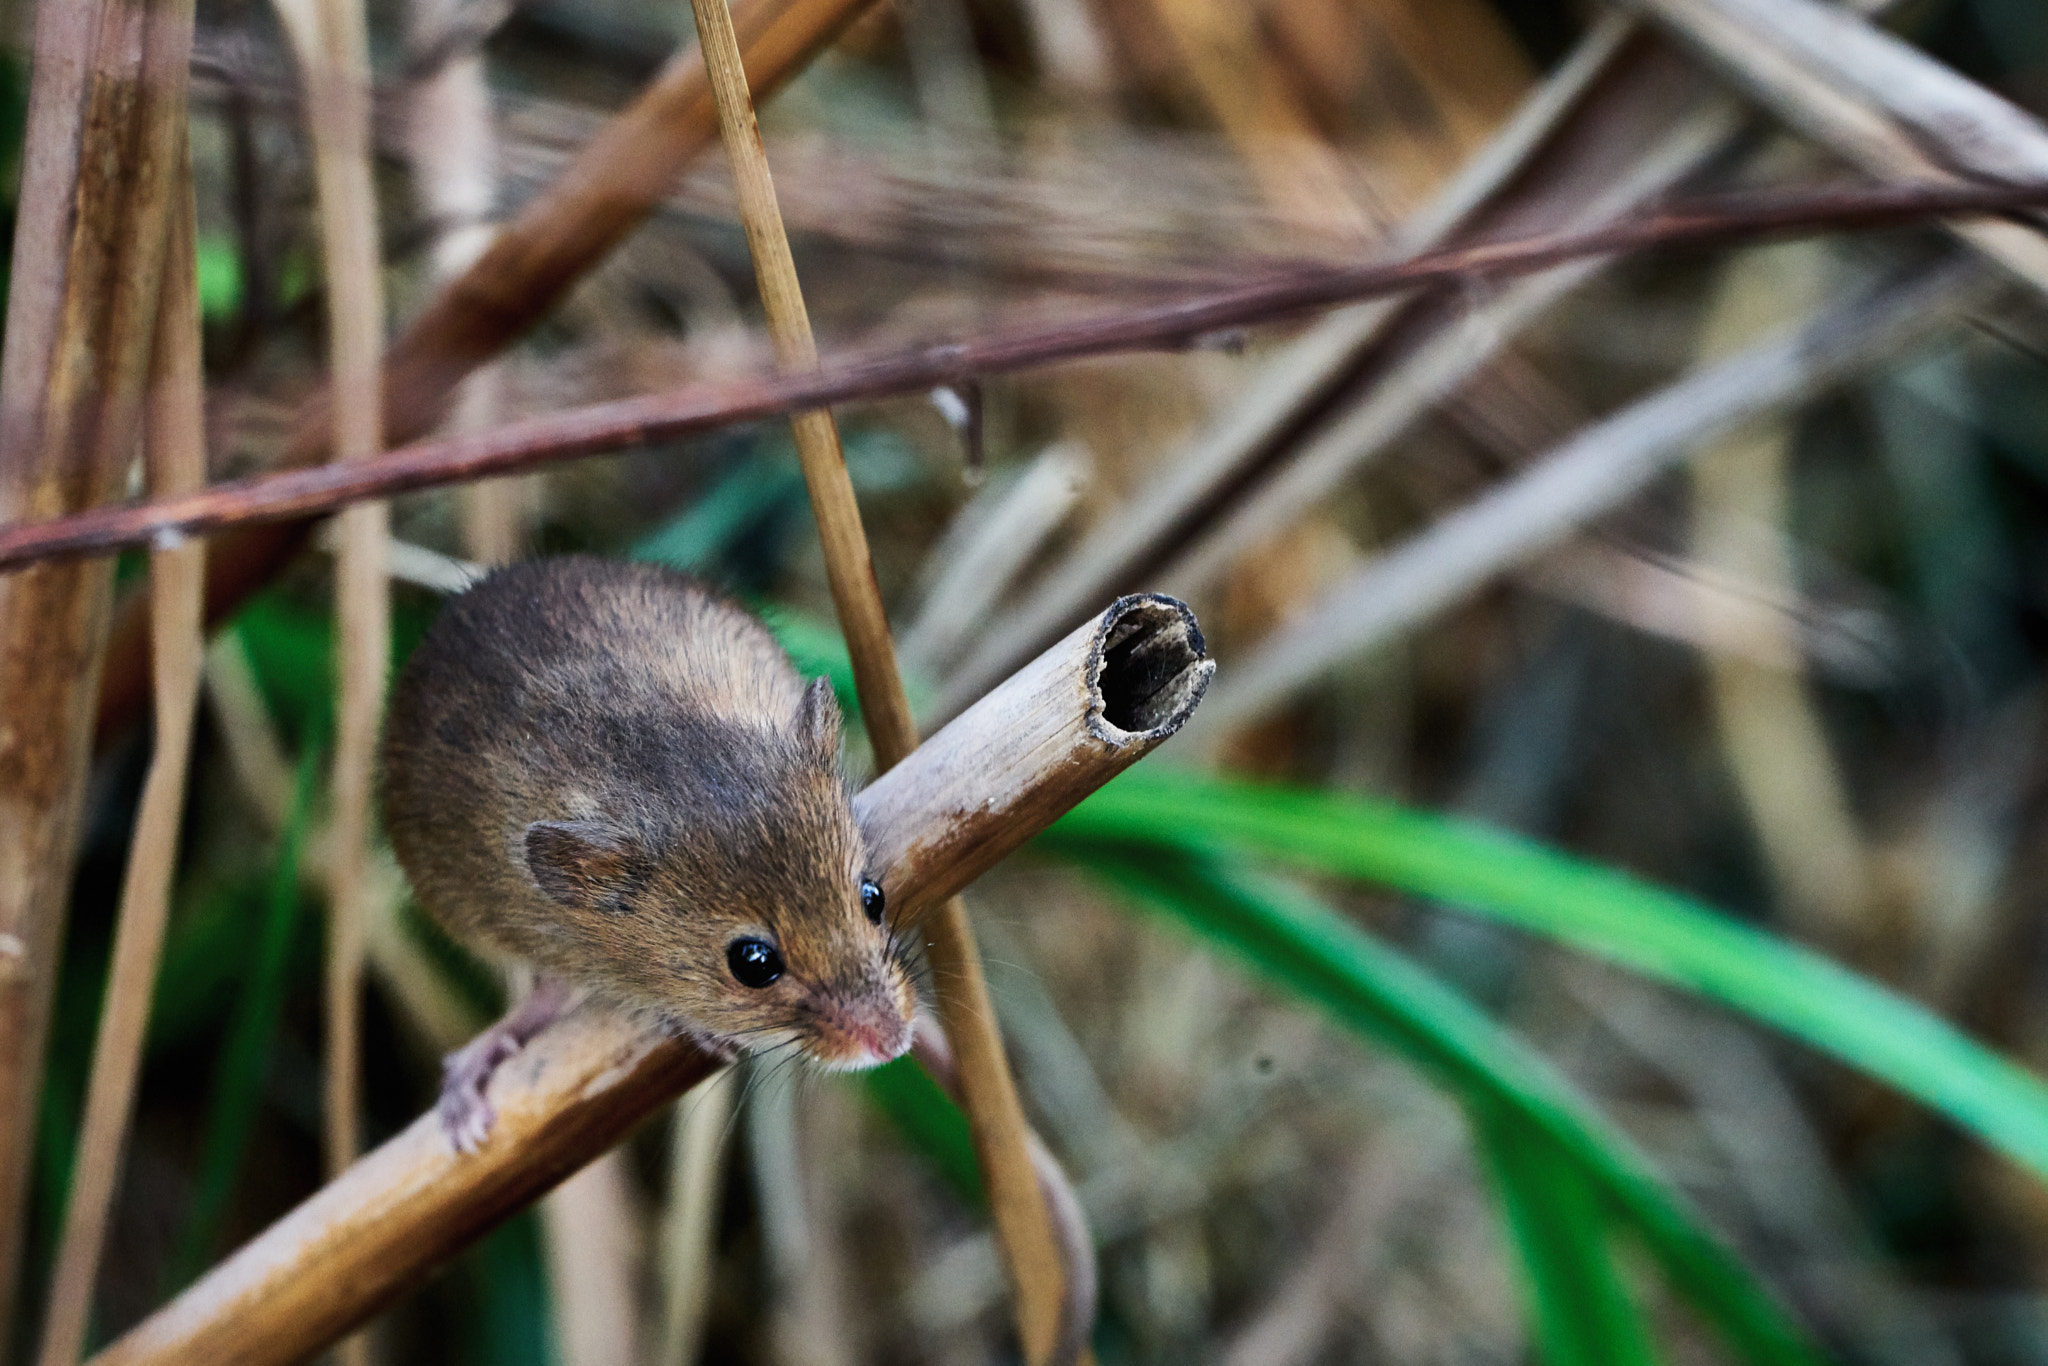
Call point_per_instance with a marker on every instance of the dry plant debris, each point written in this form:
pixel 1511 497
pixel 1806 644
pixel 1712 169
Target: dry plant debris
pixel 1594 918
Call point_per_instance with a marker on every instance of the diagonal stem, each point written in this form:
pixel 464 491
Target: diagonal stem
pixel 1023 1227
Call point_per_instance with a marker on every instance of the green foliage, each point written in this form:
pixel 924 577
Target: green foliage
pixel 1581 1310
pixel 927 1117
pixel 1599 911
pixel 220 277
pixel 244 1059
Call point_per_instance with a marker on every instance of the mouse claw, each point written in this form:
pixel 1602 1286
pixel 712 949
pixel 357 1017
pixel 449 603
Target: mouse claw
pixel 466 1113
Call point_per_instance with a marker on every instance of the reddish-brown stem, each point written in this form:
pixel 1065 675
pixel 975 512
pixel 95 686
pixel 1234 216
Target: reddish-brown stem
pixel 300 494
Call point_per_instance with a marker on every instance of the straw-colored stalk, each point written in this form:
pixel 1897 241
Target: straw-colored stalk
pixel 1771 732
pixel 1084 711
pixel 106 119
pixel 331 41
pixel 176 427
pixel 695 1165
pixel 995 1114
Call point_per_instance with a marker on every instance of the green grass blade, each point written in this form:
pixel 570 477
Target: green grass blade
pixel 1601 911
pixel 245 1055
pixel 695 538
pixel 1582 1311
pixel 1304 949
pixel 929 1121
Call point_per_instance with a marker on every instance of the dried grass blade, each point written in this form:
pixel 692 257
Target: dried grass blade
pixel 330 38
pixel 177 458
pixel 107 112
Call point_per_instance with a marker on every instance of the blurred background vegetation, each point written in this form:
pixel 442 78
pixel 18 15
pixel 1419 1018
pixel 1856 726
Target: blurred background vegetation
pixel 1640 959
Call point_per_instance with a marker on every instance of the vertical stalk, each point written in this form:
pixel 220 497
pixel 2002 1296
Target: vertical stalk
pixel 176 421
pixel 1023 1228
pixel 332 44
pixel 106 112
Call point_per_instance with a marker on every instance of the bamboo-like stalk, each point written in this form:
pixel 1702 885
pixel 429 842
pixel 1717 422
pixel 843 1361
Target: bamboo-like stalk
pixel 1073 719
pixel 106 115
pixel 176 424
pixel 995 1113
pixel 619 178
pixel 695 409
pixel 331 41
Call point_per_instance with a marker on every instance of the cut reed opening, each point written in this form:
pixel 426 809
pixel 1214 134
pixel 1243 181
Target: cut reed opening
pixel 1147 670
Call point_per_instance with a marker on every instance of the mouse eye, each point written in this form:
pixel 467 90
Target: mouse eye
pixel 754 962
pixel 871 899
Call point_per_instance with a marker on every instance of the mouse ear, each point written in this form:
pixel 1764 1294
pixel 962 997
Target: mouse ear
pixel 584 865
pixel 818 720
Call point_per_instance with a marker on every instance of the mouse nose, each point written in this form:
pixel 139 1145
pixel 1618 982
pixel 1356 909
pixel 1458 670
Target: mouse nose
pixel 865 1029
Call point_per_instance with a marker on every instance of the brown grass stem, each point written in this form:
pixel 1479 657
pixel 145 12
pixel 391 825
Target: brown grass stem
pixel 995 1113
pixel 331 41
pixel 701 408
pixel 1081 713
pixel 106 123
pixel 618 178
pixel 176 443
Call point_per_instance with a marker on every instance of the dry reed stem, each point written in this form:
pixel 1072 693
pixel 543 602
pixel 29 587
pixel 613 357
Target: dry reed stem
pixel 1588 476
pixel 1871 97
pixel 1618 110
pixel 331 41
pixel 994 1111
pixel 1772 735
pixel 1083 712
pixel 695 409
pixel 688 1224
pixel 452 142
pixel 1219 44
pixel 987 548
pixel 100 171
pixel 176 426
pixel 619 178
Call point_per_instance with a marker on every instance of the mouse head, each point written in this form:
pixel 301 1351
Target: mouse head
pixel 728 887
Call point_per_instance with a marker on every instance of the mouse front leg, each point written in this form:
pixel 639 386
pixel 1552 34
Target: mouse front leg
pixel 466 1114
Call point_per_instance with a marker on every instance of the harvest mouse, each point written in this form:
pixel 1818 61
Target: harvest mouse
pixel 610 773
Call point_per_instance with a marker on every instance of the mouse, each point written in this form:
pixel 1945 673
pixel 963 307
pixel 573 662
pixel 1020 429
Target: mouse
pixel 615 775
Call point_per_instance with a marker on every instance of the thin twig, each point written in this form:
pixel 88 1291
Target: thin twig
pixel 106 118
pixel 177 459
pixel 994 1112
pixel 696 409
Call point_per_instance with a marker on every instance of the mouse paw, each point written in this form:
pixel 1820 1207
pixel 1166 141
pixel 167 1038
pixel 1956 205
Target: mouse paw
pixel 466 1114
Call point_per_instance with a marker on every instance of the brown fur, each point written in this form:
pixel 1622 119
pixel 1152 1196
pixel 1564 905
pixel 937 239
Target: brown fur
pixel 607 771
